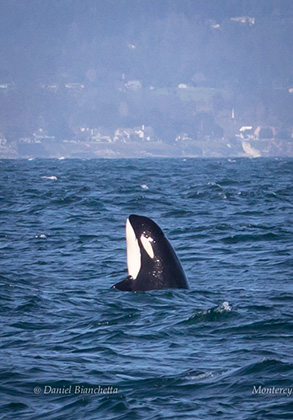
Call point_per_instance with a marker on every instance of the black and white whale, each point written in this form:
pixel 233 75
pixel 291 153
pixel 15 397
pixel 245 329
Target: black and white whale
pixel 151 261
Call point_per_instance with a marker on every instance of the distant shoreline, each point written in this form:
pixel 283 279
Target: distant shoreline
pixel 195 149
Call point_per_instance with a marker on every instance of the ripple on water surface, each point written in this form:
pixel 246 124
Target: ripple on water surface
pixel 188 354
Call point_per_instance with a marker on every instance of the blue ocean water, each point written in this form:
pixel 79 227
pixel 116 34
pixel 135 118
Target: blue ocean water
pixel 73 348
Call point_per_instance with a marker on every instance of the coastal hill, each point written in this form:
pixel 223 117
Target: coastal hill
pixel 84 77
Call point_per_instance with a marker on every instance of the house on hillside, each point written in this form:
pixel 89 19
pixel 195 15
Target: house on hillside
pixel 244 20
pixel 74 86
pixel 7 86
pixel 51 87
pixel 246 132
pixel 97 135
pixel 41 136
pixel 28 140
pixel 133 85
pixel 136 134
pixel 124 135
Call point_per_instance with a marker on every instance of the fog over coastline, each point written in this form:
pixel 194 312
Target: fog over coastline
pixel 119 78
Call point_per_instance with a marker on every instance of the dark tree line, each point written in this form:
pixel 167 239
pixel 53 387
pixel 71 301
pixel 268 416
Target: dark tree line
pixel 102 44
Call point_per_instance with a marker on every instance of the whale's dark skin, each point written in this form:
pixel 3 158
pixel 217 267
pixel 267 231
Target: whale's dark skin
pixel 160 270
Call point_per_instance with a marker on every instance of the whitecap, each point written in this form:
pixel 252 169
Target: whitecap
pixel 214 184
pixel 53 178
pixel 224 307
pixel 42 236
pixel 203 375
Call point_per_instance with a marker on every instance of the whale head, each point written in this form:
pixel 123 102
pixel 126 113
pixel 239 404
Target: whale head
pixel 151 261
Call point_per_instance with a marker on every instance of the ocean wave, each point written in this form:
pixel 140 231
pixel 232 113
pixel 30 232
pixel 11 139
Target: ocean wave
pixel 171 353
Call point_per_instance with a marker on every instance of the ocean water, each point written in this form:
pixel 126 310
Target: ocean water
pixel 73 348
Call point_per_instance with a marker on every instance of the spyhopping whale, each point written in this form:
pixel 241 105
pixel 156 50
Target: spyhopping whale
pixel 151 261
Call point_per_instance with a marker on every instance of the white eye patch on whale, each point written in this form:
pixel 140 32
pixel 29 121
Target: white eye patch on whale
pixel 146 242
pixel 151 261
pixel 135 246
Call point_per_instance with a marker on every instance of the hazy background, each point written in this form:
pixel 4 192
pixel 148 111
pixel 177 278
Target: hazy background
pixel 67 64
